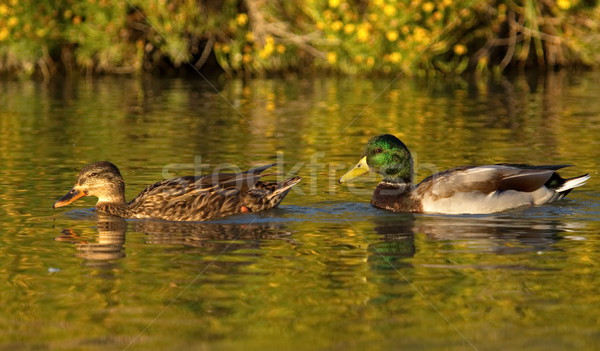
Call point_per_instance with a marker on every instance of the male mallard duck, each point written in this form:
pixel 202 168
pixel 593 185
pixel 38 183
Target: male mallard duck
pixel 179 199
pixel 466 189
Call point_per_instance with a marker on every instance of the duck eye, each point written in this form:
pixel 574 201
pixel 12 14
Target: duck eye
pixel 378 150
pixel 93 174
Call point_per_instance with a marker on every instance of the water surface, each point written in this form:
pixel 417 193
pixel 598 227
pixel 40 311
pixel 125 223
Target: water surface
pixel 325 270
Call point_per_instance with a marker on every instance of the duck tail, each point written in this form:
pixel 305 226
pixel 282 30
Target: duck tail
pixel 285 185
pixel 265 196
pixel 571 183
pixel 274 198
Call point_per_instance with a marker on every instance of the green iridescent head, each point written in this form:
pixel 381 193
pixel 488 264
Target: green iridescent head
pixel 386 155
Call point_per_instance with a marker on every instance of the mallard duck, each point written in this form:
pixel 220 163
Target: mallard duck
pixel 461 190
pixel 179 199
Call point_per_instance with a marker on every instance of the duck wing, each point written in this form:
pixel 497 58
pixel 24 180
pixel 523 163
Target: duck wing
pixel 526 166
pixel 172 189
pixel 486 179
pixel 196 198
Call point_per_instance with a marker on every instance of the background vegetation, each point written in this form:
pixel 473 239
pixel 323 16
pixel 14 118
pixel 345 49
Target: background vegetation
pixel 413 37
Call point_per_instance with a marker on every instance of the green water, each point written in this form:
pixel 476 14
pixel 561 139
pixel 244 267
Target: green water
pixel 325 271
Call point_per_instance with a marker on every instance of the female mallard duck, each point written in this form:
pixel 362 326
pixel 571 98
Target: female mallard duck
pixel 179 199
pixel 466 189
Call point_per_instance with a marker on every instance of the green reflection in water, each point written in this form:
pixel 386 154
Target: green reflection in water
pixel 325 271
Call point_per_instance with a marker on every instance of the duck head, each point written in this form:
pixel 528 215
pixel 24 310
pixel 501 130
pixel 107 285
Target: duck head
pixel 100 179
pixel 386 155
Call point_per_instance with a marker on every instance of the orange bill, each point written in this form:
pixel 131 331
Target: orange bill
pixel 71 196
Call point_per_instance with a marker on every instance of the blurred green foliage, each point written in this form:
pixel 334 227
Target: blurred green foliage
pixel 416 37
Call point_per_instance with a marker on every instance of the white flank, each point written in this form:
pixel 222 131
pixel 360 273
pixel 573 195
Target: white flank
pixel 476 202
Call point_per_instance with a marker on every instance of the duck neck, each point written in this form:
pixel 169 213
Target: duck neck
pixel 401 174
pixel 113 208
pixel 113 202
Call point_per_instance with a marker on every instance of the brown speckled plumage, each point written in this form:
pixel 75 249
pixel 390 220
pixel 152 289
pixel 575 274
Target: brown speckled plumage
pixel 179 199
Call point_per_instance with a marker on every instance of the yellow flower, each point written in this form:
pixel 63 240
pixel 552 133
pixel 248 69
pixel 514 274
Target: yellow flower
pixel 449 2
pixel 389 10
pixel 419 34
pixel 77 20
pixel 370 61
pixel 362 33
pixel 349 28
pixel 392 35
pixel 3 9
pixel 502 9
pixel 3 33
pixel 12 22
pixel 331 57
pixel 334 3
pixel 320 25
pixel 373 17
pixel 395 57
pixel 280 49
pixel 225 48
pixel 242 19
pixel 460 49
pixel 249 36
pixel 40 32
pixel 247 58
pixel 358 59
pixel 428 7
pixel 563 4
pixel 268 49
pixel 337 25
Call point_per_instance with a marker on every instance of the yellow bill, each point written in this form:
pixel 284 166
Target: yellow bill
pixel 358 170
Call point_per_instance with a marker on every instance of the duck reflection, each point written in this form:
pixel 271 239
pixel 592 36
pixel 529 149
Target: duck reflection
pixel 216 235
pixel 109 244
pixel 213 238
pixel 495 234
pixel 397 241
